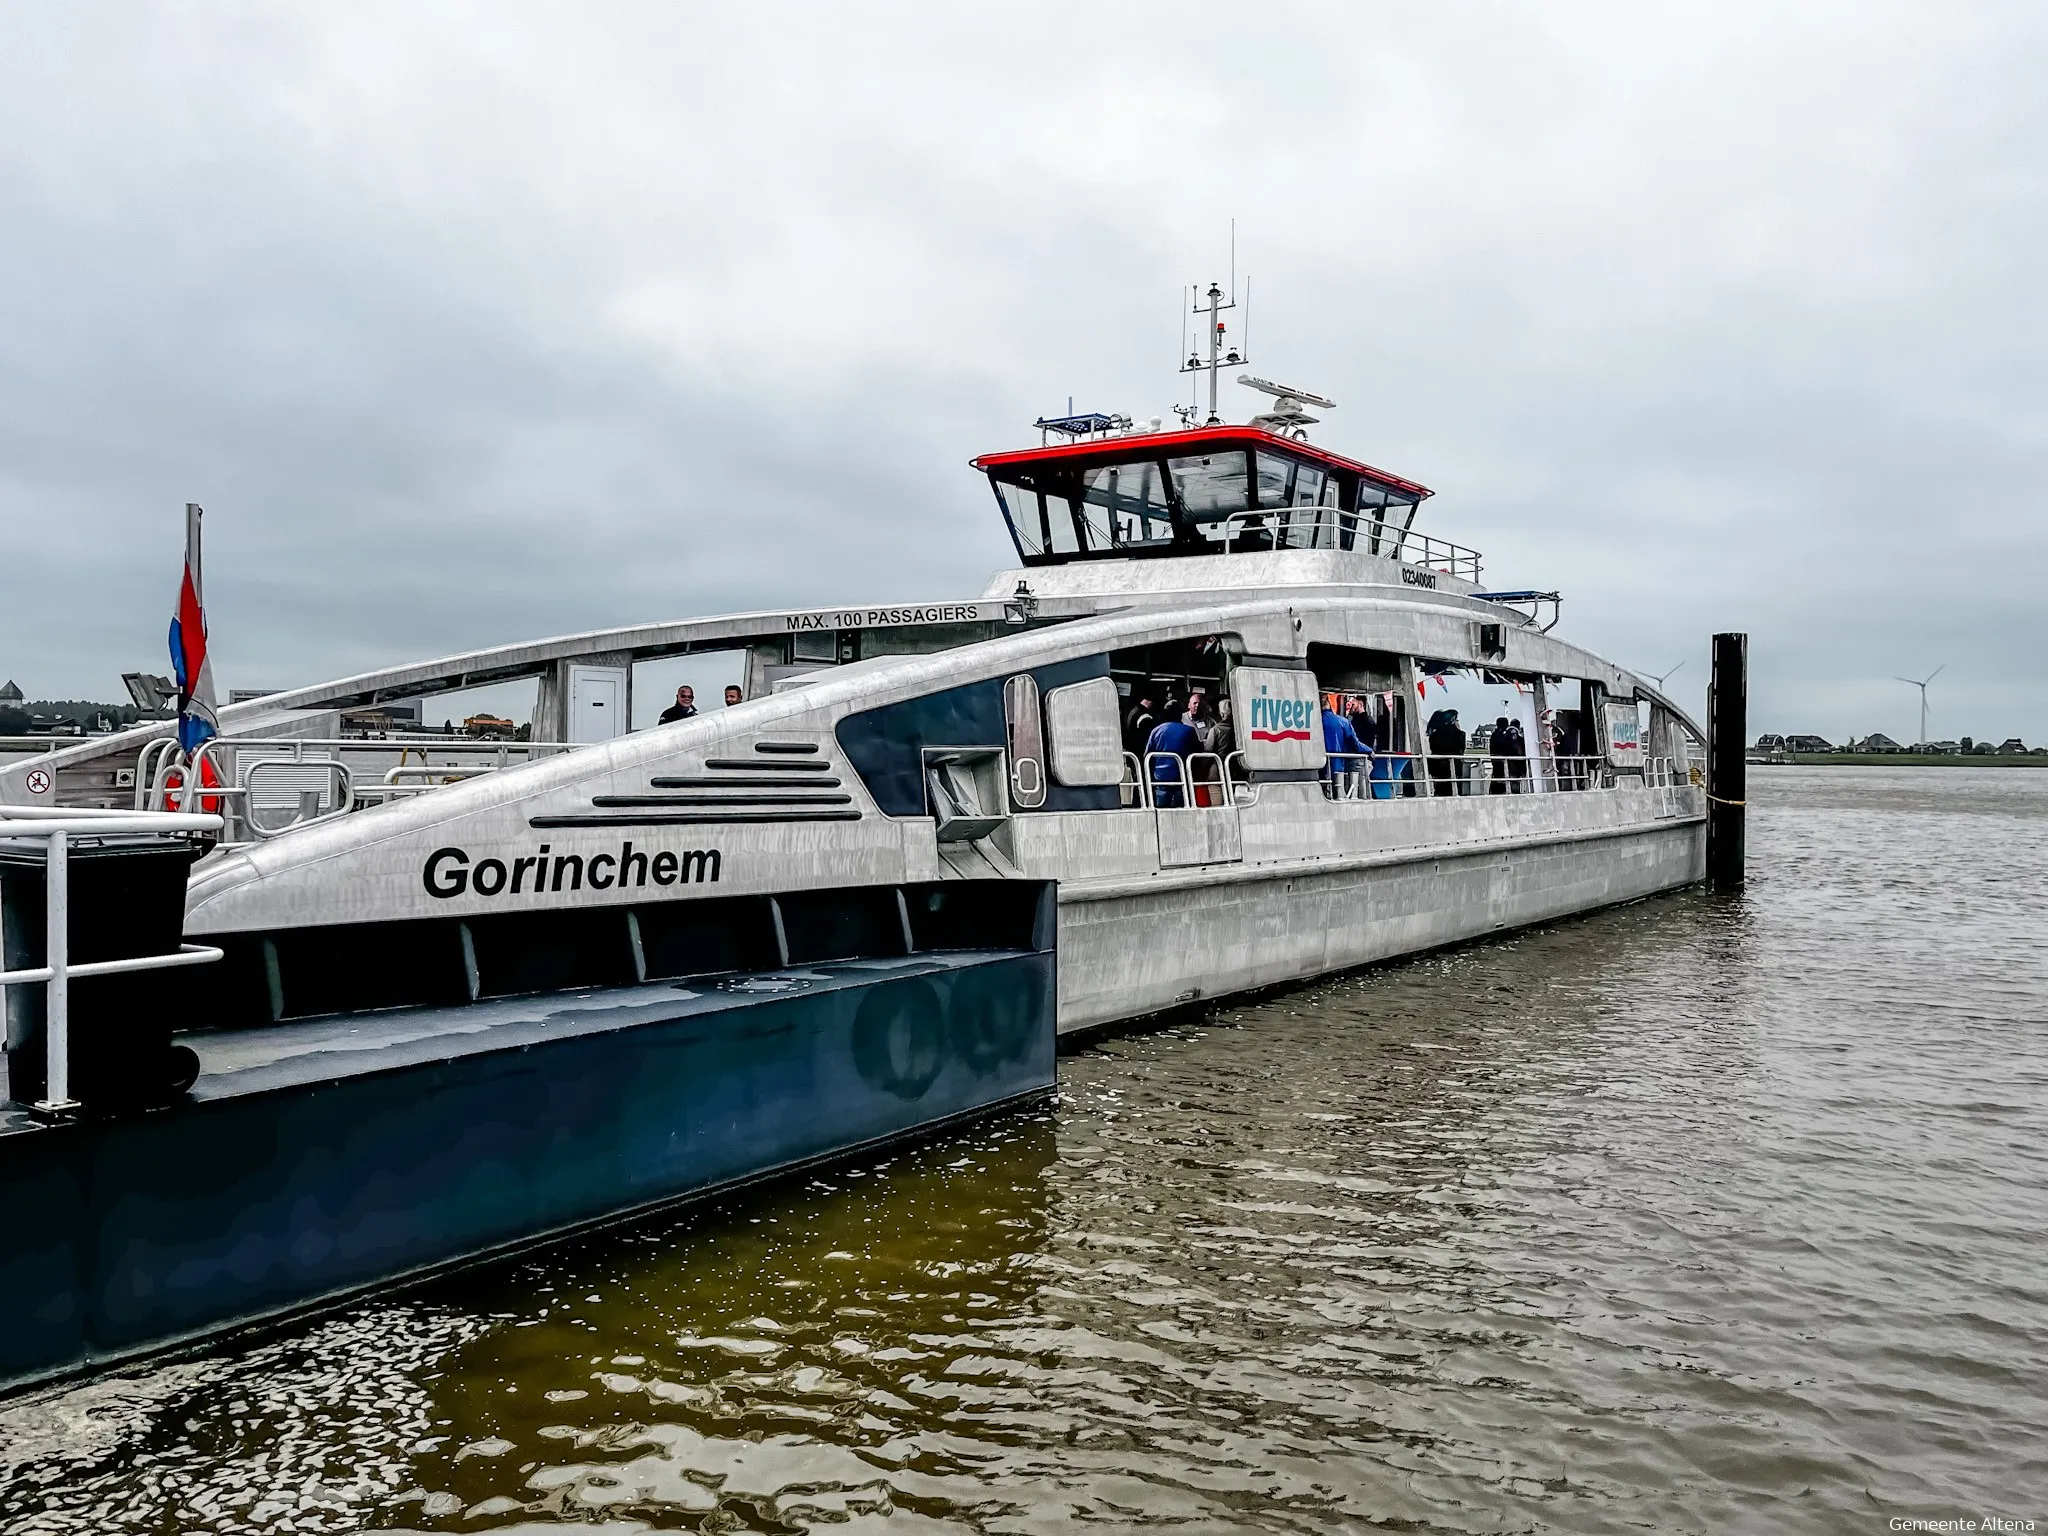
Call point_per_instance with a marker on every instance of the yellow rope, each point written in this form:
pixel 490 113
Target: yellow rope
pixel 1719 801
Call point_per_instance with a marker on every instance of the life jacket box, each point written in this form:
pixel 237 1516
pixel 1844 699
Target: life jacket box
pixel 125 901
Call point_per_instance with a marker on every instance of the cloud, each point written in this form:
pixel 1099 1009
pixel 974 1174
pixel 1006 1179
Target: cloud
pixel 469 323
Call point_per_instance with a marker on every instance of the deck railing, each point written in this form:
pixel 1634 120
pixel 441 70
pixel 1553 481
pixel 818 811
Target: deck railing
pixel 40 742
pixel 1202 780
pixel 1333 528
pixel 1106 533
pixel 254 775
pixel 55 829
pixel 1369 776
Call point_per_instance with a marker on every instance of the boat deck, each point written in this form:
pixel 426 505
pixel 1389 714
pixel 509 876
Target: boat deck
pixel 307 1053
pixel 317 1160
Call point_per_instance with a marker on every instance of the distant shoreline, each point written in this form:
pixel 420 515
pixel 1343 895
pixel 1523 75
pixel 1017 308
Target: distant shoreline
pixel 1901 760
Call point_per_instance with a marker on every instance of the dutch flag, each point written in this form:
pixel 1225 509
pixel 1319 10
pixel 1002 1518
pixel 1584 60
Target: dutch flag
pixel 197 720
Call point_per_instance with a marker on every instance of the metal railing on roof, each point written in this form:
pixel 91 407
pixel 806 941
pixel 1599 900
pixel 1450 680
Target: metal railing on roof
pixel 1333 528
pixel 1122 529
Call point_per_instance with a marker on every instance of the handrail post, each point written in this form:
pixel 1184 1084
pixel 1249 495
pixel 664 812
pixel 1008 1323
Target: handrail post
pixel 57 990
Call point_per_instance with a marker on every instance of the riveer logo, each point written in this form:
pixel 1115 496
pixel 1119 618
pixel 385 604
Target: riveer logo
pixel 1281 719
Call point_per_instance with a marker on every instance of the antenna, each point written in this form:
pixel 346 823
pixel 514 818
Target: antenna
pixel 1184 305
pixel 1921 683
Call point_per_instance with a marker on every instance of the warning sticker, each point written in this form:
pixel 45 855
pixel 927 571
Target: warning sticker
pixel 39 781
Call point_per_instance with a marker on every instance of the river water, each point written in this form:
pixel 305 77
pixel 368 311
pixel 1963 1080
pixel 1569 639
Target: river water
pixel 1702 1214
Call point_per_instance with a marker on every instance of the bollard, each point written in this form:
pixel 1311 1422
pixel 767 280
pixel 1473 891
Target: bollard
pixel 1727 770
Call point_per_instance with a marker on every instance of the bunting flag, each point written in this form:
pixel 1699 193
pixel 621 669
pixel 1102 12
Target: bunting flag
pixel 197 720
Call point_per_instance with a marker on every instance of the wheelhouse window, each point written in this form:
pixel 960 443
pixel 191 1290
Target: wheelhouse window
pixel 1024 510
pixel 1291 483
pixel 1135 499
pixel 1211 486
pixel 1101 510
pixel 1252 493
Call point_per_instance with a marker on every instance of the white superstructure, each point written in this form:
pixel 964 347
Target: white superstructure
pixel 891 749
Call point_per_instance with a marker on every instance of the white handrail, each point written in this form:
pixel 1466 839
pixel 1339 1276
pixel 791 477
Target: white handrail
pixel 1324 527
pixel 87 822
pixel 397 743
pixel 344 791
pixel 56 971
pixel 43 741
pixel 147 765
pixel 1176 781
pixel 159 759
pixel 451 772
pixel 1237 779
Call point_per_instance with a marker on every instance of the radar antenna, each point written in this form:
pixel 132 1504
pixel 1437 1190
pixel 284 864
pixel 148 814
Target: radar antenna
pixel 1286 418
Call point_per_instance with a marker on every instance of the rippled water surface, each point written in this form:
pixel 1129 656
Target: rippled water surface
pixel 1697 1215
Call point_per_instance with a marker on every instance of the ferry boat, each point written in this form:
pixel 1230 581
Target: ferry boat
pixel 962 807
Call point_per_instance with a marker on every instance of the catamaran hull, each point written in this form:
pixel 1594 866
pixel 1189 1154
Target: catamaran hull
pixel 1134 947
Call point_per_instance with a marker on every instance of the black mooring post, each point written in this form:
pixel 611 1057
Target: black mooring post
pixel 1727 771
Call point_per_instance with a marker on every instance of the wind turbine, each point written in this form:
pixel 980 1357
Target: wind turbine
pixel 1921 684
pixel 1659 681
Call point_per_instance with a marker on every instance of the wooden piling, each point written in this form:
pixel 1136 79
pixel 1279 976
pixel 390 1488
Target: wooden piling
pixel 1727 771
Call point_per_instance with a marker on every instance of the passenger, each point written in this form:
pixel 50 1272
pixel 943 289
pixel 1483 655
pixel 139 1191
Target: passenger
pixel 1393 771
pixel 1446 753
pixel 733 694
pixel 684 706
pixel 1518 759
pixel 1361 724
pixel 1569 750
pixel 1220 738
pixel 1171 738
pixel 1204 768
pixel 1350 762
pixel 1510 757
pixel 1138 722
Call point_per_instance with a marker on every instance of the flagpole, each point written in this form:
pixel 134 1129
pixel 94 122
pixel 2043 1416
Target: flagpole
pixel 193 513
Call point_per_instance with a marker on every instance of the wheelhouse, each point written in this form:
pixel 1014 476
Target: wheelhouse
pixel 1210 490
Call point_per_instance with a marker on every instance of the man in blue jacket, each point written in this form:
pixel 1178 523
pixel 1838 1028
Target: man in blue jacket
pixel 1349 759
pixel 1175 737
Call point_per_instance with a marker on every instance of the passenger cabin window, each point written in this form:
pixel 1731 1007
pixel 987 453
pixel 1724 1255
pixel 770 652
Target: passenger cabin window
pixel 1087 746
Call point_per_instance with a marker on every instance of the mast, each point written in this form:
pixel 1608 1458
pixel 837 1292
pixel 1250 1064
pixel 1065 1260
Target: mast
pixel 1211 304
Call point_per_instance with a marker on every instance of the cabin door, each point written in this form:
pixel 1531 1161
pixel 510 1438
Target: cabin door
pixel 597 704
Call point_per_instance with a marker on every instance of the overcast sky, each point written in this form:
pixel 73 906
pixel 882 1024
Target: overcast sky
pixel 473 323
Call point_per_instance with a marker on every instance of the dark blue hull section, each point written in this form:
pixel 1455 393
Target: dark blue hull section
pixel 317 1160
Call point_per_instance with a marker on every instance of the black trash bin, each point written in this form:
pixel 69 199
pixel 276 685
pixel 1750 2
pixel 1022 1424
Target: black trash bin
pixel 126 899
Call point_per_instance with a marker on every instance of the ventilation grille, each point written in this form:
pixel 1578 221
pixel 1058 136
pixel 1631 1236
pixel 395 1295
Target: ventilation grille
pixel 783 781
